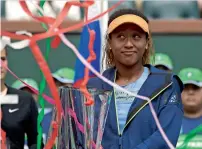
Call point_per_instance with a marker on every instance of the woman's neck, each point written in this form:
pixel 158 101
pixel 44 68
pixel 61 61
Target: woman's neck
pixel 3 86
pixel 128 74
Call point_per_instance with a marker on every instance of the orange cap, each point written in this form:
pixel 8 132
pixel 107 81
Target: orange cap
pixel 128 18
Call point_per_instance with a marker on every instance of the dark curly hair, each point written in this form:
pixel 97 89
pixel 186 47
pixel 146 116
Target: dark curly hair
pixel 108 52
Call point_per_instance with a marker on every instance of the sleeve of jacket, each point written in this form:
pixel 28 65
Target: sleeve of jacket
pixel 31 129
pixel 170 115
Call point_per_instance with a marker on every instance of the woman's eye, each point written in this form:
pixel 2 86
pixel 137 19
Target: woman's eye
pixel 136 37
pixel 121 36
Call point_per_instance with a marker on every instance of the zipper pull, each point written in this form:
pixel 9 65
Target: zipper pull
pixel 120 141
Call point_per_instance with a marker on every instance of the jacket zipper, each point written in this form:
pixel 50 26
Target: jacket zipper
pixel 121 133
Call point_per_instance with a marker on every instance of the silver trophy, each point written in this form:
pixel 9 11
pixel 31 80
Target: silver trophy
pixel 82 125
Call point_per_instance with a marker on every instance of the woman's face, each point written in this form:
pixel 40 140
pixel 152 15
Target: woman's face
pixel 128 43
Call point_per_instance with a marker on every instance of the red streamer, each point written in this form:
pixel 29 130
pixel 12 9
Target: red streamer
pixel 91 57
pixel 46 71
pixel 41 36
pixel 40 59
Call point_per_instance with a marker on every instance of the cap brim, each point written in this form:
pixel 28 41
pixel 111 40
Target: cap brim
pixel 25 86
pixel 62 80
pixel 199 84
pixel 128 19
pixel 165 65
pixel 21 86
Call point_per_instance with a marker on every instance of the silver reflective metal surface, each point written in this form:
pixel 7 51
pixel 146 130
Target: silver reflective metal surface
pixel 82 126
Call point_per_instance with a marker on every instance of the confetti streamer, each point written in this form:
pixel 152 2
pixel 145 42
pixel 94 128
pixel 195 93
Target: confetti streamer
pixel 91 57
pixel 41 36
pixel 49 34
pixel 42 87
pixel 46 71
pixel 190 136
pixel 15 45
pixel 49 144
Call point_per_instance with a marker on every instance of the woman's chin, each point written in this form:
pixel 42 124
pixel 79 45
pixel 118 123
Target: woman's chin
pixel 129 63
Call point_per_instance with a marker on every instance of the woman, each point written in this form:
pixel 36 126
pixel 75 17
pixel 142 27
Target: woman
pixel 130 124
pixel 17 119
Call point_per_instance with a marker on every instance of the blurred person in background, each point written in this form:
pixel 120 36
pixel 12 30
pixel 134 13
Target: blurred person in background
pixel 64 77
pixel 163 61
pixel 74 13
pixel 50 8
pixel 21 86
pixel 18 119
pixel 15 5
pixel 191 98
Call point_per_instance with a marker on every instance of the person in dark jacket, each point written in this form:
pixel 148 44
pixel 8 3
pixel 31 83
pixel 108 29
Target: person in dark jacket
pixel 18 119
pixel 130 124
pixel 21 86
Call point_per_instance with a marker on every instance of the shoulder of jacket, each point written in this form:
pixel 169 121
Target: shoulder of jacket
pixel 22 95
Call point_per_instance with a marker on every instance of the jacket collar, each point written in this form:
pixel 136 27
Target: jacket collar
pixel 153 76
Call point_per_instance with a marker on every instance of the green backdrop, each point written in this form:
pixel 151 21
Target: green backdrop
pixel 185 51
pixel 23 64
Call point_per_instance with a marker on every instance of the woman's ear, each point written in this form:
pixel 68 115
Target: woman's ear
pixel 109 47
pixel 109 44
pixel 147 45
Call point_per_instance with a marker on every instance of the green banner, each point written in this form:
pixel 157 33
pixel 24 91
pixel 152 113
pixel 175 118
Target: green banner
pixel 194 143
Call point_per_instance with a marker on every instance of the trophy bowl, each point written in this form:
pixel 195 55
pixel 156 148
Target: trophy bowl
pixel 82 125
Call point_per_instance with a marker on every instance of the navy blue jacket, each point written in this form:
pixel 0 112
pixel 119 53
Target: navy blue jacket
pixel 140 131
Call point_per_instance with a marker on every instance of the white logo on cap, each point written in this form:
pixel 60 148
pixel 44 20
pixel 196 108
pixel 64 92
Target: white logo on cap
pixel 159 57
pixel 189 74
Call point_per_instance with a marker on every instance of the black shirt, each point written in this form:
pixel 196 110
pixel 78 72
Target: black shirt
pixel 21 118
